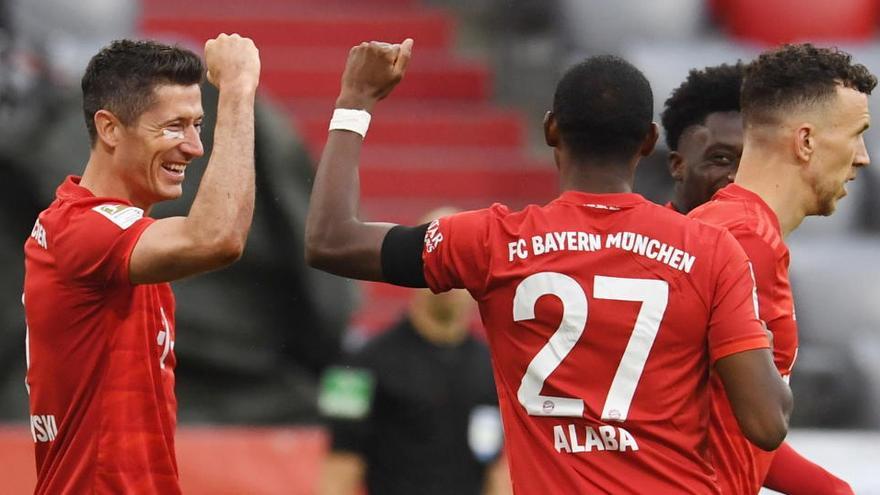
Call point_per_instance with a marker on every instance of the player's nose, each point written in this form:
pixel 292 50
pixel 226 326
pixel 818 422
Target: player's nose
pixel 192 143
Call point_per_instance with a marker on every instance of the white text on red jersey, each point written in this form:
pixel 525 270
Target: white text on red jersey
pixel 552 242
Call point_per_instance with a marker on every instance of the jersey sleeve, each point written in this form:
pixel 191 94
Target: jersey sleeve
pixel 456 252
pixel 95 246
pixel 765 263
pixel 733 325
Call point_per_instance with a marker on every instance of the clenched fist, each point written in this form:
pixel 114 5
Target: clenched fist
pixel 373 69
pixel 233 62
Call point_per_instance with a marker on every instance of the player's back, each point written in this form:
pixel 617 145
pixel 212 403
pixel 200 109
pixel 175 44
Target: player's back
pixel 603 384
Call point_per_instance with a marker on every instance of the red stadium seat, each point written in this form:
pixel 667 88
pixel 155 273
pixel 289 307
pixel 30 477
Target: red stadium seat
pixel 782 21
pixel 438 141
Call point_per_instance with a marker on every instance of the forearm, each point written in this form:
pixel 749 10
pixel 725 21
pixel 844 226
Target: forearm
pixel 336 240
pixel 792 474
pixel 223 207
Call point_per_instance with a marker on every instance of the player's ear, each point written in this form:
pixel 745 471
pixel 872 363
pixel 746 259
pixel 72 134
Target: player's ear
pixel 108 127
pixel 804 142
pixel 551 130
pixel 650 140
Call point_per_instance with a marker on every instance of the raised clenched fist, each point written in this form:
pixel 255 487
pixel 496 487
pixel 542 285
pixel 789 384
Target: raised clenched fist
pixel 373 69
pixel 232 61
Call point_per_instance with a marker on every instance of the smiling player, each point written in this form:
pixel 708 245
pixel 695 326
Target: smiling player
pixel 99 309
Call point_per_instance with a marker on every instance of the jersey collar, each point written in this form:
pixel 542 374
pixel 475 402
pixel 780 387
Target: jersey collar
pixel 736 191
pixel 602 201
pixel 70 189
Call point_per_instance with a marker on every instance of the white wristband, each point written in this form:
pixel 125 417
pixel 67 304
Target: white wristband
pixel 346 119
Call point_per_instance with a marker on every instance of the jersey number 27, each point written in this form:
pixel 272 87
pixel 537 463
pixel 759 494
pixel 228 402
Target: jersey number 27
pixel 653 294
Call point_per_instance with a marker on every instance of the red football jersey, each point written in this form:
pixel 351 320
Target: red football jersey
pixel 100 352
pixel 741 466
pixel 602 384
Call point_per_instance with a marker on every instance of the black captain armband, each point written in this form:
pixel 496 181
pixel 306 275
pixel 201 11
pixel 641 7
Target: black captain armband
pixel 402 256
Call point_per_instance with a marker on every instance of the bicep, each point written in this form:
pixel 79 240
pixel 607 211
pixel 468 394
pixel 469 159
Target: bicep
pixel 341 474
pixel 167 251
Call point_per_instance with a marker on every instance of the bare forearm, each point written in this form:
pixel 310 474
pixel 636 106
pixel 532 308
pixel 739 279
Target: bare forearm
pixel 336 240
pixel 224 205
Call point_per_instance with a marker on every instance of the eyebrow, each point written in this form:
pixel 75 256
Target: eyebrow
pixel 722 147
pixel 178 119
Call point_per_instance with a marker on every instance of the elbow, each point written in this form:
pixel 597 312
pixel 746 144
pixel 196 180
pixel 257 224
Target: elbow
pixel 319 250
pixel 768 436
pixel 318 256
pixel 230 251
pixel 314 257
pixel 224 252
pixel 768 430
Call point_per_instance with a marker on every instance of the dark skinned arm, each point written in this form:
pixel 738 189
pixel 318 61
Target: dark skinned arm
pixel 760 399
pixel 337 241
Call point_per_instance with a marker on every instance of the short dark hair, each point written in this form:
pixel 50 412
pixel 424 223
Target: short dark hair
pixel 706 91
pixel 794 75
pixel 603 107
pixel 122 76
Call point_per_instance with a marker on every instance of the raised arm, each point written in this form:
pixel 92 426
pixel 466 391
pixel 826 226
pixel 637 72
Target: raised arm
pixel 336 240
pixel 213 235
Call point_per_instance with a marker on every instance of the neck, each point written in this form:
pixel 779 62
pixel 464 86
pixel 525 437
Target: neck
pixel 678 199
pixel 102 180
pixel 598 177
pixel 774 179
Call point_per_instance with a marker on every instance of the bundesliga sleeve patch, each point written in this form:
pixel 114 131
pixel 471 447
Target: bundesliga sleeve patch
pixel 346 393
pixel 122 215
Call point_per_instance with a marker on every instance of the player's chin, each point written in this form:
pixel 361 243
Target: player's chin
pixel 169 192
pixel 829 207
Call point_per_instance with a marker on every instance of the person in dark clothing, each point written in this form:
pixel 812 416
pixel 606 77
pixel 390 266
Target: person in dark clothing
pixel 415 410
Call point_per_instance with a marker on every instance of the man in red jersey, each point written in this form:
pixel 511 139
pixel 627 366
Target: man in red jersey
pixel 99 309
pixel 703 127
pixel 602 385
pixel 704 134
pixel 805 111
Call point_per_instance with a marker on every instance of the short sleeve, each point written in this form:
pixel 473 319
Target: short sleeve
pixel 733 325
pixel 456 252
pixel 766 262
pixel 95 245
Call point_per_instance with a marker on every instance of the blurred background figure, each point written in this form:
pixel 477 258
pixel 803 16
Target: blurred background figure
pixel 415 410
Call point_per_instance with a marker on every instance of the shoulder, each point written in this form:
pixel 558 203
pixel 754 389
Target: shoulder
pixel 121 215
pixel 729 213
